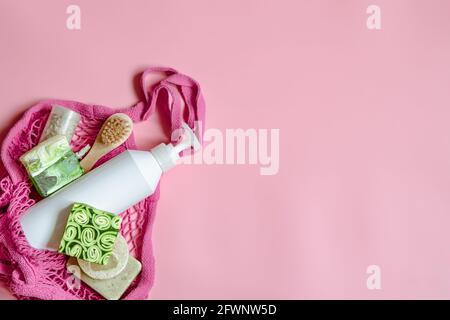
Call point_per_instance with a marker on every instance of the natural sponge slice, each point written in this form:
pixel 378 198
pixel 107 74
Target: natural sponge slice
pixel 90 234
pixel 117 262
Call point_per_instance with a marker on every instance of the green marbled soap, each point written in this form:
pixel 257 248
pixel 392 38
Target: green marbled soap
pixel 51 165
pixel 90 234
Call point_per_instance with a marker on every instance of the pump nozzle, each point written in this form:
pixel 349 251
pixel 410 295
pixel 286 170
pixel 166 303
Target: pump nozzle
pixel 168 155
pixel 188 140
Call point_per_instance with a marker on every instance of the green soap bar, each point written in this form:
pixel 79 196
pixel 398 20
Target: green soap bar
pixel 90 234
pixel 51 165
pixel 66 170
pixel 45 154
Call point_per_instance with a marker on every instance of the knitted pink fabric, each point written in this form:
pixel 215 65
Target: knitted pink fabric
pixel 38 274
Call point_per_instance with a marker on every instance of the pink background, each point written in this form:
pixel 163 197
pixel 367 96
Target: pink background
pixel 364 123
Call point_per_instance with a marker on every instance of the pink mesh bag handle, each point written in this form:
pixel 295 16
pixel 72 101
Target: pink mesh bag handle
pixel 41 274
pixel 181 89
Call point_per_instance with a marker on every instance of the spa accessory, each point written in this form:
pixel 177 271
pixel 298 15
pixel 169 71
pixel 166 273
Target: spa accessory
pixel 62 121
pixel 110 289
pixel 114 187
pixel 116 264
pixel 90 234
pixel 115 131
pixel 51 165
pixel 39 274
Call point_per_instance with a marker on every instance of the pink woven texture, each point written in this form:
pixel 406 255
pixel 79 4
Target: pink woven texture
pixel 38 274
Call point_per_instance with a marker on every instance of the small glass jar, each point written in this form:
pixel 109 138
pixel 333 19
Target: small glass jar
pixel 62 121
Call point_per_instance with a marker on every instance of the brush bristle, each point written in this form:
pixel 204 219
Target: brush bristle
pixel 116 129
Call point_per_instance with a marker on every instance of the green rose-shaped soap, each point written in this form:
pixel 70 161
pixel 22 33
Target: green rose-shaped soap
pixel 90 234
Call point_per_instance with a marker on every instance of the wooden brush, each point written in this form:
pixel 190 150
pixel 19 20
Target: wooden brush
pixel 115 131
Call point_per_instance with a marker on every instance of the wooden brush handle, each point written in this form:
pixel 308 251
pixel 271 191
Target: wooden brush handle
pixel 91 159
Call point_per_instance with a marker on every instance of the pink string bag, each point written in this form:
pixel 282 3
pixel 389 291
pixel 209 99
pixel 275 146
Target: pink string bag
pixel 41 274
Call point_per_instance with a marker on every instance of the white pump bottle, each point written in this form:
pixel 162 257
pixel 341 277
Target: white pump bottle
pixel 114 187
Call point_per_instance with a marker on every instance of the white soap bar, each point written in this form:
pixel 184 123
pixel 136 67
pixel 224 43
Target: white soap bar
pixel 114 288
